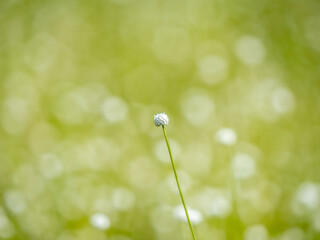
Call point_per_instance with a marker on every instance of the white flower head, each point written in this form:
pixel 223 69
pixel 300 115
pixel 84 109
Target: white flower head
pixel 160 119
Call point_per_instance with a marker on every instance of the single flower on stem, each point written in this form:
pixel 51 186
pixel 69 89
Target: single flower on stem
pixel 162 119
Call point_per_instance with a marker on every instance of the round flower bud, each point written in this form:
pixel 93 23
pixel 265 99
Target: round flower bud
pixel 160 119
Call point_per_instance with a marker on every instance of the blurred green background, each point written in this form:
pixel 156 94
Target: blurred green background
pixel 80 81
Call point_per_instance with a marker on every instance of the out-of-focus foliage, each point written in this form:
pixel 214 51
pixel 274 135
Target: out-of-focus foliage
pixel 80 81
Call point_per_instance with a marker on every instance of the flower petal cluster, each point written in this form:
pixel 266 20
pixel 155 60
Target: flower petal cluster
pixel 160 119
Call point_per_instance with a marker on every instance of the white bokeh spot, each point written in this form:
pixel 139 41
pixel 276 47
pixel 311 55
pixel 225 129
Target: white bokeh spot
pixel 213 69
pixel 243 166
pixel 197 108
pixel 100 221
pixel 250 50
pixel 194 215
pixel 114 109
pixel 226 136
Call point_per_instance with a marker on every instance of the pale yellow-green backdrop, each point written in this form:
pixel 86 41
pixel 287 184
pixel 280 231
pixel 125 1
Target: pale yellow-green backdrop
pixel 80 81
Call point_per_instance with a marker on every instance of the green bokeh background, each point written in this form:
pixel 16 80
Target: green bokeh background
pixel 80 82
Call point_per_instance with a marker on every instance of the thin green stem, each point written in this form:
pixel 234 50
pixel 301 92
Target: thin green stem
pixel 178 184
pixel 233 187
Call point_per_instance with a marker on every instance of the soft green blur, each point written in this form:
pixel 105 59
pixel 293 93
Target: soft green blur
pixel 80 81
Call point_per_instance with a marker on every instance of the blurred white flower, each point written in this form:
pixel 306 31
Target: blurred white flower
pixel 213 202
pixel 7 229
pixel 220 206
pixel 250 50
pixel 197 108
pixel 15 201
pixel 161 119
pixel 123 199
pixel 114 109
pixel 293 233
pixel 256 232
pixel 243 166
pixel 308 195
pixel 194 215
pixel 226 136
pixel 213 69
pixel 100 221
pixel 50 166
